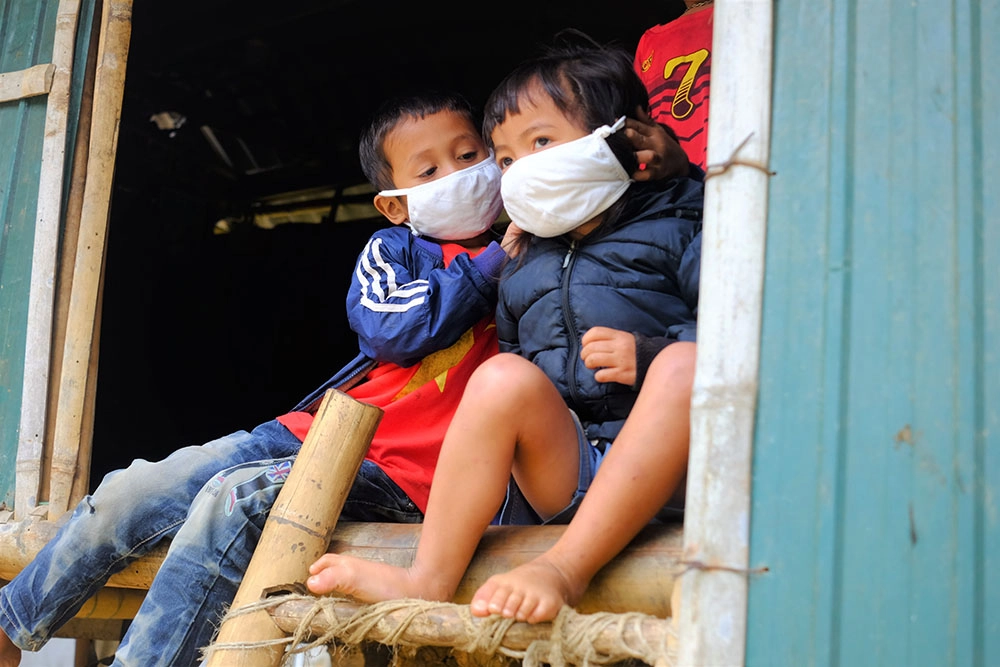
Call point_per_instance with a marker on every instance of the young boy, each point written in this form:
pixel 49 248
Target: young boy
pixel 422 303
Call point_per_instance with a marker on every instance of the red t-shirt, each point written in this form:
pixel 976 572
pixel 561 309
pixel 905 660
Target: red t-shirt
pixel 418 404
pixel 674 61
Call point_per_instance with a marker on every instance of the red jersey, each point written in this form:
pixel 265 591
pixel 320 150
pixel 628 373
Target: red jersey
pixel 674 61
pixel 418 403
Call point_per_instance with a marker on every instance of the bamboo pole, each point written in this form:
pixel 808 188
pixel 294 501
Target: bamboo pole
pixel 116 604
pixel 604 638
pixel 301 523
pixel 642 578
pixel 712 623
pixel 76 380
pixel 25 83
pixel 41 292
pixel 81 450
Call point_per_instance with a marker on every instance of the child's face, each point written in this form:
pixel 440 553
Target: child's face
pixel 540 125
pixel 421 150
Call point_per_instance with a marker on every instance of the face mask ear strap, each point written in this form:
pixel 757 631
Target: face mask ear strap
pixel 606 131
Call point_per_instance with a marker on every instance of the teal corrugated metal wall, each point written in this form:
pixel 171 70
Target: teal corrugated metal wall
pixel 876 479
pixel 27 31
pixel 27 28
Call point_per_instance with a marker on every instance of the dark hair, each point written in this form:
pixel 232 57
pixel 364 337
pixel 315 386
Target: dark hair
pixel 591 83
pixel 389 114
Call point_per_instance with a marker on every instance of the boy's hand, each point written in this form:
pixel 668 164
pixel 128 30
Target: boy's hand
pixel 658 154
pixel 612 352
pixel 509 240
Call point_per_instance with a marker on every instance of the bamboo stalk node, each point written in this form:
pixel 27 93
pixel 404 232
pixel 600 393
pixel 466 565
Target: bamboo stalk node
pixel 407 626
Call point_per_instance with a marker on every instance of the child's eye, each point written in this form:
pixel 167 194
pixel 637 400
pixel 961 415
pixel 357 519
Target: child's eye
pixel 471 156
pixel 504 162
pixel 428 173
pixel 541 142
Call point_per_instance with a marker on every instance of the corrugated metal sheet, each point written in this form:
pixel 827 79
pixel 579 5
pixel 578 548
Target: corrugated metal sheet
pixel 27 28
pixel 877 450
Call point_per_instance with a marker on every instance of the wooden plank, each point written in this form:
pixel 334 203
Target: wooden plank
pixel 25 83
pixel 76 377
pixel 41 294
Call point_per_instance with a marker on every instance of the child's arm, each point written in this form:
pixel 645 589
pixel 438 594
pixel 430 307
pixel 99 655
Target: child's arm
pixel 645 348
pixel 405 305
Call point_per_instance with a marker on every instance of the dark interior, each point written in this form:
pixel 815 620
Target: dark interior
pixel 205 333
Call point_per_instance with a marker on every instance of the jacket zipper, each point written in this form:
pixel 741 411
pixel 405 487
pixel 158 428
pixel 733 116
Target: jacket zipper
pixel 574 338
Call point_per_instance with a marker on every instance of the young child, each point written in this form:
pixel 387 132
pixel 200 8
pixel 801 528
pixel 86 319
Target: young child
pixel 674 61
pixel 422 302
pixel 587 405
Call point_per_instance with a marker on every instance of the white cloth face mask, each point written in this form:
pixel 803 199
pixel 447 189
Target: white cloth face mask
pixel 556 190
pixel 455 207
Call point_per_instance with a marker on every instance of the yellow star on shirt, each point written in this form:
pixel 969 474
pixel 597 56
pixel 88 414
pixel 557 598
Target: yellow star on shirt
pixel 436 365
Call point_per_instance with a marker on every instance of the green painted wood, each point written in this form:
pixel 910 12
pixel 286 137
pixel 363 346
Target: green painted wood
pixel 27 29
pixel 876 472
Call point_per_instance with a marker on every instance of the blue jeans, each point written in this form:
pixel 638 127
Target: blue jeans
pixel 210 502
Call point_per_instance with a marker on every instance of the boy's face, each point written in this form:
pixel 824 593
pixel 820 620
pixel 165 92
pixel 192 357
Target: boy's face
pixel 425 149
pixel 422 150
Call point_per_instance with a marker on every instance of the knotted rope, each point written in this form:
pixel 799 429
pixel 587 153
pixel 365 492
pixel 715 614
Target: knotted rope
pixel 571 640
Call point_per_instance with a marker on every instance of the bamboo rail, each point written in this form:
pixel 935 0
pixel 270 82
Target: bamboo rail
pixel 641 579
pixel 572 638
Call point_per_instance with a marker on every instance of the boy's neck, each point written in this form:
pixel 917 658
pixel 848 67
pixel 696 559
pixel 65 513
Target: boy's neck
pixel 475 243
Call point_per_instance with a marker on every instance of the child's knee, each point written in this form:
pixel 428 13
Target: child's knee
pixel 673 368
pixel 502 375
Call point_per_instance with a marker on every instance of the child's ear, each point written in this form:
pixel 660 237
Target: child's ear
pixel 392 208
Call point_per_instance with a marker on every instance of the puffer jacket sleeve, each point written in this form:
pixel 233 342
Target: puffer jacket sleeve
pixel 405 304
pixel 688 279
pixel 507 329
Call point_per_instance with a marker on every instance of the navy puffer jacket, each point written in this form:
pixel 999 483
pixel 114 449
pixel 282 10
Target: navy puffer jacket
pixel 638 274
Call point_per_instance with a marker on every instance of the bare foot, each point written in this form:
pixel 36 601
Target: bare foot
pixel 368 581
pixel 10 655
pixel 533 592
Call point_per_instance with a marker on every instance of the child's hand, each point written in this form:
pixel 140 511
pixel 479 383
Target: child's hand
pixel 509 241
pixel 658 154
pixel 612 352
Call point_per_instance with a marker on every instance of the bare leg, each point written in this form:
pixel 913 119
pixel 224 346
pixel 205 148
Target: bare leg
pixel 511 417
pixel 10 655
pixel 643 467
